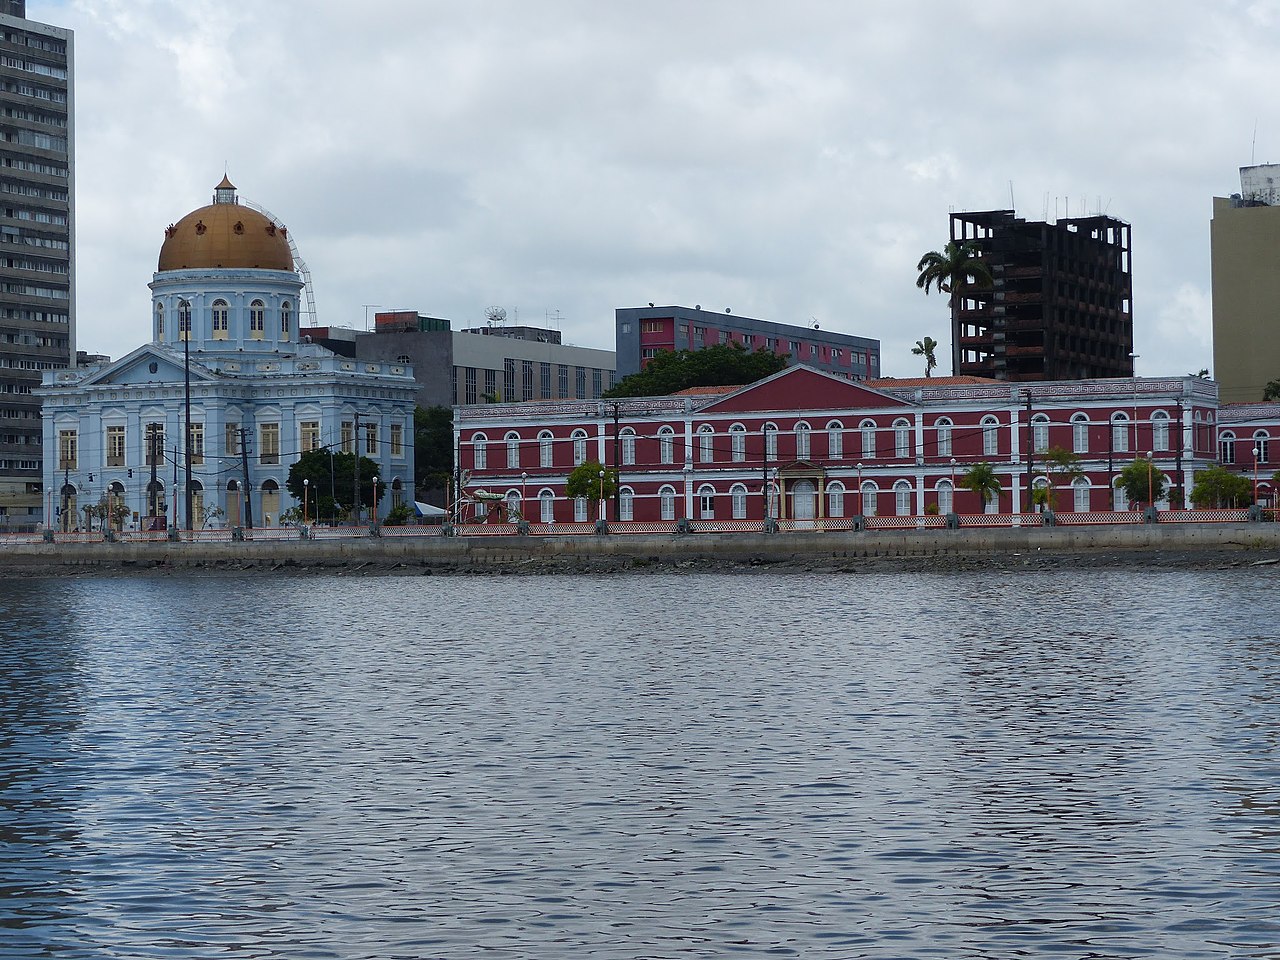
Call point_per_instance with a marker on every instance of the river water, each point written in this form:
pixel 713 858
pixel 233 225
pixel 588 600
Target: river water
pixel 1070 765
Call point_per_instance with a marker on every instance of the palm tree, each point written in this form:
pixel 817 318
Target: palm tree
pixel 958 266
pixel 924 348
pixel 981 479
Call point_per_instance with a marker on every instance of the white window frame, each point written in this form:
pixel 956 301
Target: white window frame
pixel 903 494
pixel 1120 424
pixel 512 440
pixel 738 496
pixel 1040 433
pixel 868 430
pixel 990 436
pixel 706 444
pixel 479 451
pixel 738 442
pixel 546 506
pixel 804 446
pixel 666 445
pixel 902 438
pixel 835 440
pixel 1160 431
pixel 579 438
pixel 706 502
pixel 626 503
pixel 628 447
pixel 1080 433
pixel 835 499
pixel 943 426
pixel 546 448
pixel 667 502
pixel 1080 495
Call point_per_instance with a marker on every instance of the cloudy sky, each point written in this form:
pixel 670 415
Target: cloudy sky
pixel 562 158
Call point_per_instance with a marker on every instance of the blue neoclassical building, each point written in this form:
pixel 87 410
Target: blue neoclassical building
pixel 224 342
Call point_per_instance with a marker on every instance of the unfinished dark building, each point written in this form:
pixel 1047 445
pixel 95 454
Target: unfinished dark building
pixel 1061 307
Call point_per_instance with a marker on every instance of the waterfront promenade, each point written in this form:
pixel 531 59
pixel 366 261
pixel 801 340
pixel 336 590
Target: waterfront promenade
pixel 427 550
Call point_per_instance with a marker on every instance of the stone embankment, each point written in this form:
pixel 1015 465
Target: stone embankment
pixel 1028 548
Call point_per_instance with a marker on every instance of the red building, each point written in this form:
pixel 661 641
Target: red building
pixel 827 450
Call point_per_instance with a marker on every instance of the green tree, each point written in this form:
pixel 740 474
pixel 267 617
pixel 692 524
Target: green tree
pixel 1217 487
pixel 957 267
pixel 1062 467
pixel 584 481
pixel 981 479
pixel 925 348
pixel 432 447
pixel 725 364
pixel 314 465
pixel 1142 481
pixel 1272 390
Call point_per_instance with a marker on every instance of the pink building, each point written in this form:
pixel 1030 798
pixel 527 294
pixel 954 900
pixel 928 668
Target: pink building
pixel 827 449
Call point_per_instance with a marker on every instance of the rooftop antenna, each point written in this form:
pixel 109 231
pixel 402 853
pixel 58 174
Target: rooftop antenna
pixel 495 315
pixel 1253 147
pixel 1012 205
pixel 366 313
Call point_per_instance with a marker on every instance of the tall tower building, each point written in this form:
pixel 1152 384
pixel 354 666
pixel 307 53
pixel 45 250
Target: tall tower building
pixel 1244 240
pixel 1061 306
pixel 37 243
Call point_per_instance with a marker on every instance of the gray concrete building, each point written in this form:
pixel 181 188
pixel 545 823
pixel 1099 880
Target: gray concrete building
pixel 504 363
pixel 37 260
pixel 1244 239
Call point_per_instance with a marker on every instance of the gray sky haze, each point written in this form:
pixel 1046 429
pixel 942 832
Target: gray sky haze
pixel 565 157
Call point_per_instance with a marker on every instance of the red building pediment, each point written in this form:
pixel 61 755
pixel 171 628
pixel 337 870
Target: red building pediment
pixel 803 388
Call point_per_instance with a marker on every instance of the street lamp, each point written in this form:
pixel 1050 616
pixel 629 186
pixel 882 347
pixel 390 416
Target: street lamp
pixel 860 511
pixel 1257 451
pixel 601 494
pixel 1133 363
pixel 953 484
pixel 306 491
pixel 374 520
pixel 1151 500
pixel 524 476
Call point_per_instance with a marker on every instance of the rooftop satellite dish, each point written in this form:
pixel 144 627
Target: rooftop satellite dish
pixel 495 315
pixel 815 322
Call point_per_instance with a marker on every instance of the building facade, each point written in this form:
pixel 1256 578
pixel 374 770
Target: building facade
pixel 643 331
pixel 37 266
pixel 503 363
pixel 1244 238
pixel 226 357
pixel 1061 307
pixel 806 445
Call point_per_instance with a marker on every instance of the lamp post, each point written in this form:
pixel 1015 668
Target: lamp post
pixel 860 510
pixel 1257 451
pixel 953 484
pixel 1151 500
pixel 1133 362
pixel 601 494
pixel 524 476
pixel 374 519
pixel 306 491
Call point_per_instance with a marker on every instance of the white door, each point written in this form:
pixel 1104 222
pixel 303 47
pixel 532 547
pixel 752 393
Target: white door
pixel 803 499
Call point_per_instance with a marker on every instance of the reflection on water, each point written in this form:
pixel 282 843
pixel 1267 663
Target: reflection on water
pixel 885 766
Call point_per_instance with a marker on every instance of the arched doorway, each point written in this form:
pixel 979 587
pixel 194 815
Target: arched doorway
pixel 804 501
pixel 270 503
pixel 234 504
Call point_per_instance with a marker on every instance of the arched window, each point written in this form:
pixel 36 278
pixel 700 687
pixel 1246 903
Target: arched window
pixel 1080 432
pixel 579 509
pixel 901 438
pixel 286 319
pixel 1159 430
pixel 1080 495
pixel 868 431
pixel 1119 432
pixel 257 319
pixel 666 445
pixel 835 499
pixel 159 320
pixel 802 441
pixel 1121 494
pixel 514 506
pixel 667 502
pixel 219 315
pixel 628 447
pixel 546 506
pixel 902 498
pixel 738 442
pixel 990 436
pixel 869 495
pixel 626 503
pixel 835 440
pixel 770 441
pixel 513 449
pixel 738 495
pixel 707 502
pixel 579 447
pixel 1226 447
pixel 943 427
pixel 1040 432
pixel 479 451
pixel 184 319
pixel 1040 483
pixel 946 497
pixel 706 444
pixel 1260 440
pixel 546 450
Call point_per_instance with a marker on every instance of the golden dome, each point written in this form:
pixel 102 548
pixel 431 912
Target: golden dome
pixel 225 234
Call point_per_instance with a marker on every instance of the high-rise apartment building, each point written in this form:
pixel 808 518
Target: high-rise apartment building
pixel 1244 239
pixel 1061 306
pixel 37 243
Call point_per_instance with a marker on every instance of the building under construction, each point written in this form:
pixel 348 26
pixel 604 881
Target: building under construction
pixel 1060 307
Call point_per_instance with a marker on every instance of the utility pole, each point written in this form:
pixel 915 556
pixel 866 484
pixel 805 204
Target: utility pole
pixel 617 468
pixel 355 495
pixel 151 455
pixel 244 462
pixel 1182 481
pixel 1031 445
pixel 186 366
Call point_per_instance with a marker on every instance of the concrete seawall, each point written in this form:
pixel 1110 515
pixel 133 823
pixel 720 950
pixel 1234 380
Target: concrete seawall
pixel 1082 545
